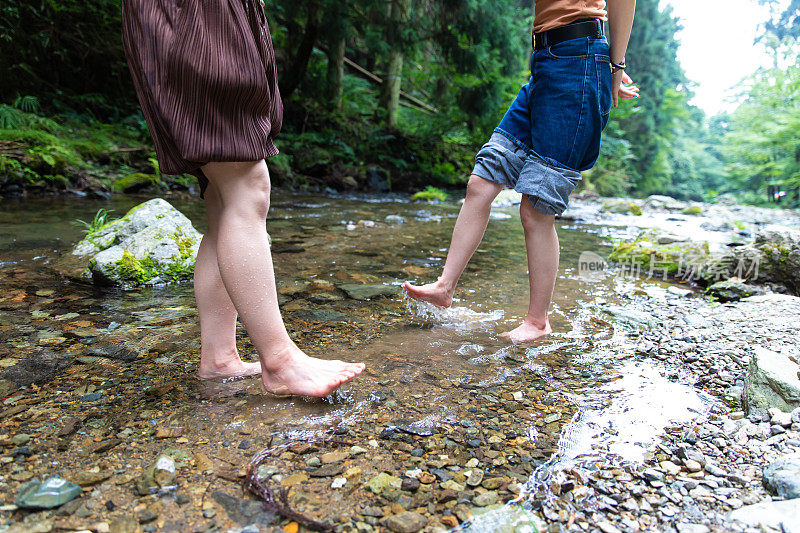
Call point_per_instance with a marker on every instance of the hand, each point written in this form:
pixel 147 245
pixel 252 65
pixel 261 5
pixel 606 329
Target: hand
pixel 624 87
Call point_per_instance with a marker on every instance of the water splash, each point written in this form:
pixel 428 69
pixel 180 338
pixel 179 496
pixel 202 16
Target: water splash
pixel 462 319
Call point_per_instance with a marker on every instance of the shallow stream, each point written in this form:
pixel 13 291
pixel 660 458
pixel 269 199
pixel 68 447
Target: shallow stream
pixel 426 367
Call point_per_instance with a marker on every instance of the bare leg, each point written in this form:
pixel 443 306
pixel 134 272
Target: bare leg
pixel 245 266
pixel 541 243
pixel 467 234
pixel 219 357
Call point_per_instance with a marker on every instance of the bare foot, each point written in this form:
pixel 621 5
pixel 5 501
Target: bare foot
pixel 434 293
pixel 230 369
pixel 527 332
pixel 291 372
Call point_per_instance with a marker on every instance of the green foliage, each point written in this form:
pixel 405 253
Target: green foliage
pixel 68 54
pixel 101 219
pixel 762 137
pixel 430 193
pixel 35 150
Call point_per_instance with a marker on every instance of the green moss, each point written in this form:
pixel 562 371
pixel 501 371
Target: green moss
pixel 621 207
pixel 430 193
pixel 645 256
pixel 132 270
pixel 692 210
pixel 134 181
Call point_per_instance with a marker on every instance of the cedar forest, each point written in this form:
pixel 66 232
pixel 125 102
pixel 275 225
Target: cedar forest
pixel 393 94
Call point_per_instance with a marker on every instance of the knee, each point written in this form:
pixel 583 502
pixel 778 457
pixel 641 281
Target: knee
pixel 252 198
pixel 481 189
pixel 533 220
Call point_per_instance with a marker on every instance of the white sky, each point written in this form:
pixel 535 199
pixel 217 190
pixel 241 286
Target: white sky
pixel 717 49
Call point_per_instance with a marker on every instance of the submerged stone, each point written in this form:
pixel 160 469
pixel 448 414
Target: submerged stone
pixel 383 482
pixel 152 244
pixel 368 292
pixel 407 522
pixel 53 492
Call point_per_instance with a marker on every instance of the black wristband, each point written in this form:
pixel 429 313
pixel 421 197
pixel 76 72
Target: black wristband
pixel 617 66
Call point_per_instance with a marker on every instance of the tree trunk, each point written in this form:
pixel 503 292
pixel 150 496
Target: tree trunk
pixel 396 12
pixel 390 92
pixel 297 70
pixel 336 73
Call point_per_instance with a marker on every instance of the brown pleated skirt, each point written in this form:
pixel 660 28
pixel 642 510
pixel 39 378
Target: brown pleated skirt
pixel 205 75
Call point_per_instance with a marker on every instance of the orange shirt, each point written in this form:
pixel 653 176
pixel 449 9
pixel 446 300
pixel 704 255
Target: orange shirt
pixel 551 14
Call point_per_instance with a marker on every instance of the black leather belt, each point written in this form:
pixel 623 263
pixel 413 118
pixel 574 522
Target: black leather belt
pixel 592 28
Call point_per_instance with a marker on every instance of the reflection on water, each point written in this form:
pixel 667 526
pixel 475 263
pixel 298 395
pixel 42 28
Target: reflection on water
pixel 424 365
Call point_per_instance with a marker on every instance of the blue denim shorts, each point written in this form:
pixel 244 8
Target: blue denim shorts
pixel 552 130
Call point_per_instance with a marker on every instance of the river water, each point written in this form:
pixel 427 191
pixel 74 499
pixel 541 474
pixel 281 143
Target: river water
pixel 589 398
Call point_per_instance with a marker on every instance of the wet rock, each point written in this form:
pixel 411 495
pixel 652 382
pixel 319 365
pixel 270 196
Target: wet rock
pixel 53 492
pixel 38 368
pixel 329 470
pixel 487 498
pixel 322 315
pixel 162 473
pixel 410 484
pixel 243 511
pixel 124 524
pixel 417 429
pixel 407 522
pixel 87 478
pixel 771 382
pixel 383 482
pixel 116 352
pixel 732 290
pixel 782 477
pixel 152 244
pixel 368 292
pixel 475 477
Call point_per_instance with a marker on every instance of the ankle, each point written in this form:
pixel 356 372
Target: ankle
pixel 537 322
pixel 448 287
pixel 278 356
pixel 216 359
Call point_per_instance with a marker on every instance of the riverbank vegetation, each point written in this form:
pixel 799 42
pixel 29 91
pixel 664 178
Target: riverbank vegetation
pixel 391 95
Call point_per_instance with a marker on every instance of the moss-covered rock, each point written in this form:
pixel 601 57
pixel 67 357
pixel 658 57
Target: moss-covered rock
pixel 774 256
pixel 692 210
pixel 430 193
pixel 621 206
pixel 732 290
pixel 649 255
pixel 135 182
pixel 152 244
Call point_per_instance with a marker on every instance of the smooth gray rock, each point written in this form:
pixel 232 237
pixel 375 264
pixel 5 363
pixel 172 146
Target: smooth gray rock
pixel 785 514
pixel 782 477
pixel 771 382
pixel 152 244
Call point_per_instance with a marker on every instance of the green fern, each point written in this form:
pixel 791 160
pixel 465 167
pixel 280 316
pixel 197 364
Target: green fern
pixel 101 220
